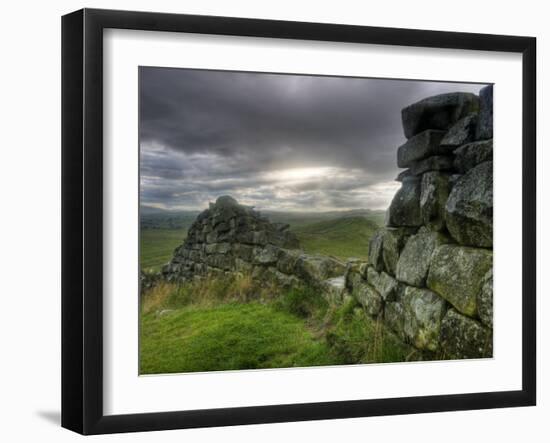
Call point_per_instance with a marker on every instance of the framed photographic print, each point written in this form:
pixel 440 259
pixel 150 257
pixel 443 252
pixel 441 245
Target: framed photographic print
pixel 269 221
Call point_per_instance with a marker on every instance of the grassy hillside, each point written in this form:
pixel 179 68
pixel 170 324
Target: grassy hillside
pixel 157 246
pixel 230 323
pixel 225 337
pixel 298 219
pixel 343 238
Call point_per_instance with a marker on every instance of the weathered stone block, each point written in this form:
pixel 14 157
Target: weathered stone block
pixel 394 318
pixel 384 284
pixel 435 163
pixel 485 300
pixel 352 279
pixel 418 147
pixel 423 312
pixel 315 268
pixel 393 241
pixel 462 132
pixel 376 242
pixel 469 208
pixel 414 261
pixel 438 112
pixel 469 156
pixel 265 256
pixel 287 261
pixel 485 125
pixel 463 337
pixel 456 273
pixel 369 298
pixel 434 192
pixel 404 209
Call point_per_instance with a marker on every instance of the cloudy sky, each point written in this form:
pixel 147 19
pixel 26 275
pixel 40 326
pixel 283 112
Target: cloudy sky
pixel 275 141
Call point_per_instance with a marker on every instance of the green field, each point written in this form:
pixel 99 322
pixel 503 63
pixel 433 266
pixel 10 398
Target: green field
pixel 342 238
pixel 157 246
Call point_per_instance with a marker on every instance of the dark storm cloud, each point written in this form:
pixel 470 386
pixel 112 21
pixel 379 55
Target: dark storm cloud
pixel 204 133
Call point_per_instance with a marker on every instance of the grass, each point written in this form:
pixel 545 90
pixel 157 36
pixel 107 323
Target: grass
pixel 225 337
pixel 157 246
pixel 342 238
pixel 231 323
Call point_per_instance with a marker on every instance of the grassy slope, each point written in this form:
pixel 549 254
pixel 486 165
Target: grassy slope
pixel 209 326
pixel 342 238
pixel 157 246
pixel 225 337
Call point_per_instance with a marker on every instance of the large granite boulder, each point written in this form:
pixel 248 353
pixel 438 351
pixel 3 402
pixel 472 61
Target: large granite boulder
pixel 419 147
pixel 485 300
pixel 369 298
pixel 438 112
pixel 404 209
pixel 469 156
pixel 462 132
pixel 414 261
pixel 434 192
pixel 423 312
pixel 485 125
pixel 469 208
pixel 435 163
pixel 463 337
pixel 456 273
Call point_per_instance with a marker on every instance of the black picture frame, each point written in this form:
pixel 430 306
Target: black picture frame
pixel 82 218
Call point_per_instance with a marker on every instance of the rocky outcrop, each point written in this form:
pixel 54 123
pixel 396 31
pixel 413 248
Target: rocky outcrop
pixel 429 274
pixel 230 237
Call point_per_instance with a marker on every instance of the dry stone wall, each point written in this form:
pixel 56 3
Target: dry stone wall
pixel 429 274
pixel 229 237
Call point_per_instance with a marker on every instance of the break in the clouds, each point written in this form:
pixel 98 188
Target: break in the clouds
pixel 275 141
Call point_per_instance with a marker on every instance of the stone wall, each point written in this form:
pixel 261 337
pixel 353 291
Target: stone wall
pixel 229 237
pixel 430 270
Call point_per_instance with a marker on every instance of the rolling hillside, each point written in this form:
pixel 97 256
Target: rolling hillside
pixel 342 238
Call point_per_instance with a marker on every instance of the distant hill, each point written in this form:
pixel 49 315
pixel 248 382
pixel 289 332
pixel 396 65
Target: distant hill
pixel 343 237
pixel 157 218
pixel 295 219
